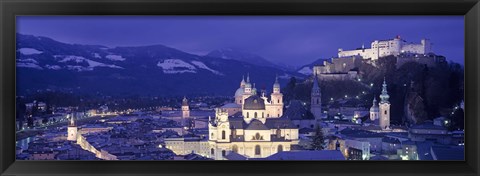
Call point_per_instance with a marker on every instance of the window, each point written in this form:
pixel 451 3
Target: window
pixel 235 148
pixel 211 135
pixel 263 115
pixel 212 151
pixel 278 101
pixel 223 134
pixel 255 115
pixel 257 150
pixel 279 133
pixel 385 112
pixel 248 114
pixel 280 148
pixel 224 153
pixel 257 137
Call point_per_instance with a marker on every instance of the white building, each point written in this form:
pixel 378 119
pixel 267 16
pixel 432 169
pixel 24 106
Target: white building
pixel 273 108
pixel 381 48
pixel 185 108
pixel 72 129
pixel 259 132
pixel 374 110
pixel 384 110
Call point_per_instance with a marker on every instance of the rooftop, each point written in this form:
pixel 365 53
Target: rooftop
pixel 308 155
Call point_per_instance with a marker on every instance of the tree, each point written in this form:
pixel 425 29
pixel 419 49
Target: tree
pixel 289 90
pixel 318 140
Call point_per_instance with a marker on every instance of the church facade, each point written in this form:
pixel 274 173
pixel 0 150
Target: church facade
pixel 258 131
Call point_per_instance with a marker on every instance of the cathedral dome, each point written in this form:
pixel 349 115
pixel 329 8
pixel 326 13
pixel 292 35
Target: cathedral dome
pixel 239 92
pixel 254 102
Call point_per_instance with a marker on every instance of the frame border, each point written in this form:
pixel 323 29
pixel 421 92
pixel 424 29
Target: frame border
pixel 11 8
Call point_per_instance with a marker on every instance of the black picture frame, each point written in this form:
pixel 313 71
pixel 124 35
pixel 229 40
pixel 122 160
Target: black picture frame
pixel 11 8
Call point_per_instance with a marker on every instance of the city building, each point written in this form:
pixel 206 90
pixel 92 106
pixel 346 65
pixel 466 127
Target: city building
pixel 257 132
pixel 72 129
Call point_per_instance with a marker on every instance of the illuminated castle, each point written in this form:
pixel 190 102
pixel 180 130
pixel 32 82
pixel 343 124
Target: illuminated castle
pixel 382 48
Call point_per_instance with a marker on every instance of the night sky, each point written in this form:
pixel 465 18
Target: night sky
pixel 291 40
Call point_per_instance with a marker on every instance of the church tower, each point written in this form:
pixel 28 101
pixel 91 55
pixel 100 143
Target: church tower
pixel 185 108
pixel 72 129
pixel 384 105
pixel 276 100
pixel 374 110
pixel 316 99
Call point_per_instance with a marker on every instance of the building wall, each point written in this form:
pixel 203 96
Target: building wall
pixel 363 146
pixel 382 48
pixel 384 115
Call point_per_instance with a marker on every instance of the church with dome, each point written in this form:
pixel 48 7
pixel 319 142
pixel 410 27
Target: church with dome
pixel 254 126
pixel 258 131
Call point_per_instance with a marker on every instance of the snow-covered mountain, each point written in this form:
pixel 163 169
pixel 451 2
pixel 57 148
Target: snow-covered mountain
pixel 43 63
pixel 236 54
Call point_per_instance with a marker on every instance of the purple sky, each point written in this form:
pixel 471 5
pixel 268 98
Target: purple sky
pixel 292 40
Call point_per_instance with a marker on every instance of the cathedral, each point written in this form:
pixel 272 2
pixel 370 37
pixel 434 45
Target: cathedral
pixel 258 132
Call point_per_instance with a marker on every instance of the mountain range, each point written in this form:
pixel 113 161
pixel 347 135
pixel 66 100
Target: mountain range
pixel 43 63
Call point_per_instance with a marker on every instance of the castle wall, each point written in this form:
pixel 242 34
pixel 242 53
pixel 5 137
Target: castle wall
pixel 382 48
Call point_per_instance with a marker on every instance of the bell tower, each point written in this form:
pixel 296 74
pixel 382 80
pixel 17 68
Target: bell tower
pixel 384 108
pixel 72 129
pixel 316 99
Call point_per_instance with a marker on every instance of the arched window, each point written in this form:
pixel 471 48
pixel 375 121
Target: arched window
pixel 279 133
pixel 224 153
pixel 235 148
pixel 268 115
pixel 257 137
pixel 278 101
pixel 223 134
pixel 212 151
pixel 385 112
pixel 255 115
pixel 257 150
pixel 248 114
pixel 211 135
pixel 280 148
pixel 263 115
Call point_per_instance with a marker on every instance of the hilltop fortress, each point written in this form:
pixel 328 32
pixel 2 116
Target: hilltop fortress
pixel 345 66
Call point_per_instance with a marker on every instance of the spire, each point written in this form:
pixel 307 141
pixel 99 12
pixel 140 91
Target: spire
pixel 248 77
pixel 276 84
pixel 384 96
pixel 315 87
pixel 72 120
pixel 242 83
pixel 254 90
pixel 374 101
pixel 315 81
pixel 184 101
